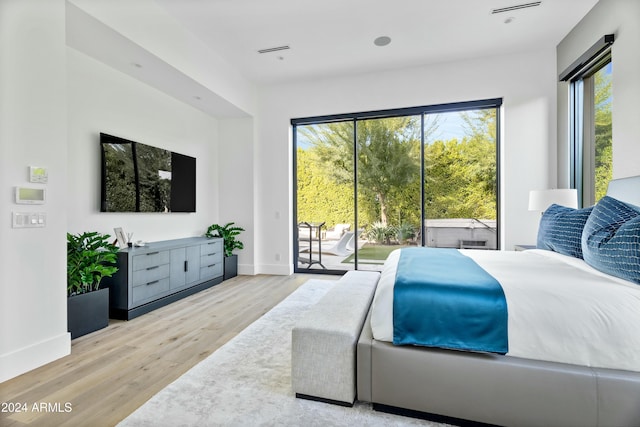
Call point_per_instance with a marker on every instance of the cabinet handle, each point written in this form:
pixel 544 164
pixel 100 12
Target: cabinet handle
pixel 153 253
pixel 186 266
pixel 153 268
pixel 212 265
pixel 151 283
pixel 212 253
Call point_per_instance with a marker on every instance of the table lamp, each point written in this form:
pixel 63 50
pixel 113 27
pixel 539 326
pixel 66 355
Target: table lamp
pixel 540 200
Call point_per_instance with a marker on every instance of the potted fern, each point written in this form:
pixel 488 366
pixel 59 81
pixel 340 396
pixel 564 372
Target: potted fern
pixel 90 257
pixel 228 232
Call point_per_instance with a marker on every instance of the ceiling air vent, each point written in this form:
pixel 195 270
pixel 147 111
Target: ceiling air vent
pixel 273 49
pixel 515 7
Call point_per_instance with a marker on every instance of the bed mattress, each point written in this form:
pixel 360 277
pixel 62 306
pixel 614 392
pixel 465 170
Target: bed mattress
pixel 559 308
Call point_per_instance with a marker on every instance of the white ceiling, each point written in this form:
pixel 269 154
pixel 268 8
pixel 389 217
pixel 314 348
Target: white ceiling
pixel 326 37
pixel 335 37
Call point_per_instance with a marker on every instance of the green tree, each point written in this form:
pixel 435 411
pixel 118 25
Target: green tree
pixel 603 132
pixel 386 155
pixel 460 175
pixel 319 198
pixel 460 178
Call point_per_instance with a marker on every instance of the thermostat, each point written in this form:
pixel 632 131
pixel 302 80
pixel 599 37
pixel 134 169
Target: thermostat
pixel 38 174
pixel 30 196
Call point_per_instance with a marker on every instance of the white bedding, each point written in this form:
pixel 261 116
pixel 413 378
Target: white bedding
pixel 560 309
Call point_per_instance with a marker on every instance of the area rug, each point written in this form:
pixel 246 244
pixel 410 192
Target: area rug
pixel 247 382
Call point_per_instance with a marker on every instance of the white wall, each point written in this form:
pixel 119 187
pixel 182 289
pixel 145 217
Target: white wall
pixel 55 101
pixel 104 100
pixel 622 18
pixel 171 42
pixel 235 164
pixel 33 117
pixel 526 82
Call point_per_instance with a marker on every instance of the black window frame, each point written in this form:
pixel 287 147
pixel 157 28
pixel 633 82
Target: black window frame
pixel 493 103
pixel 581 126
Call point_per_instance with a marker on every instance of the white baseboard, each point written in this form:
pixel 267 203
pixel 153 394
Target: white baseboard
pixel 275 269
pixel 246 269
pixel 33 356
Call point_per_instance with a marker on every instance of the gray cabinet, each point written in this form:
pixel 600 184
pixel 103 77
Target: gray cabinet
pixel 185 266
pixel 211 259
pixel 159 273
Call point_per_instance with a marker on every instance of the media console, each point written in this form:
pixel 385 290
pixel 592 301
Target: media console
pixel 160 273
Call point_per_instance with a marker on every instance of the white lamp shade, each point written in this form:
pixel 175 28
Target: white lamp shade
pixel 540 200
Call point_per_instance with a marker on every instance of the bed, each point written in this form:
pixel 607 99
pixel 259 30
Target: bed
pixel 573 331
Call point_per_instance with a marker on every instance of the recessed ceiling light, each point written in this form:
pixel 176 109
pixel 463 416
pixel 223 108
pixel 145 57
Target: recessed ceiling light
pixel 382 41
pixel 137 65
pixel 509 20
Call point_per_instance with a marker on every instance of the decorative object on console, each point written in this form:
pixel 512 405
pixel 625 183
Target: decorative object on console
pixel 90 258
pixel 120 237
pixel 228 232
pixel 540 200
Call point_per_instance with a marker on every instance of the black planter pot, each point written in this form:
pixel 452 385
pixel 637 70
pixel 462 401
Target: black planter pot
pixel 88 312
pixel 230 266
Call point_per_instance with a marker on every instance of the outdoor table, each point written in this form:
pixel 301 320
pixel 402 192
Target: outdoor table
pixel 315 228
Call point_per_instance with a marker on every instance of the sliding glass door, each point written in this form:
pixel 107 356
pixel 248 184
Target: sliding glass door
pixel 324 194
pixel 388 180
pixel 460 180
pixel 369 183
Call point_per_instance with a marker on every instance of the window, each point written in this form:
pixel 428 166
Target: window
pixel 368 183
pixel 590 138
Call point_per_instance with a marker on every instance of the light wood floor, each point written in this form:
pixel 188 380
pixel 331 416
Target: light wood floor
pixel 112 372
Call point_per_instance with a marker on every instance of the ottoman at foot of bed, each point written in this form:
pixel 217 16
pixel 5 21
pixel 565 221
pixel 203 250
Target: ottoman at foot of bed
pixel 323 354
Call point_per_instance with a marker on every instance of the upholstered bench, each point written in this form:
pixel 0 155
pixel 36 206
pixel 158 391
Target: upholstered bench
pixel 323 356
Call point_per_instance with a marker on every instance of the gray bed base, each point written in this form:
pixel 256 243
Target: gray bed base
pixel 494 389
pixel 497 389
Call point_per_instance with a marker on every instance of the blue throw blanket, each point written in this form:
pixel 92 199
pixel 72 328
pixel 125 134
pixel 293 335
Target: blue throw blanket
pixel 442 298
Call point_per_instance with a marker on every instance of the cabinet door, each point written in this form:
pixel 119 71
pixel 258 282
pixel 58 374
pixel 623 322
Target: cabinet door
pixel 193 264
pixel 178 267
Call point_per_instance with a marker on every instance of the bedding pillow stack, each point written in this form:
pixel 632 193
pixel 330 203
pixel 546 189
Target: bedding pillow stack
pixel 561 230
pixel 611 239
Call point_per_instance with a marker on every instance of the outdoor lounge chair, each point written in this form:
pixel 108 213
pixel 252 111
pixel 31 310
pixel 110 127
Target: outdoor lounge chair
pixel 351 244
pixel 337 231
pixel 339 248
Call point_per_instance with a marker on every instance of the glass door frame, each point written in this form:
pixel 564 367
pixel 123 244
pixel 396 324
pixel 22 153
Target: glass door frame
pixel 495 103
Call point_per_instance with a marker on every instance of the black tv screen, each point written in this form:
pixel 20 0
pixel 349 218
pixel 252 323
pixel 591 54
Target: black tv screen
pixel 140 178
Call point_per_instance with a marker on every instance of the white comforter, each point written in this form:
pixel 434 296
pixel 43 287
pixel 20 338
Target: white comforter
pixel 560 309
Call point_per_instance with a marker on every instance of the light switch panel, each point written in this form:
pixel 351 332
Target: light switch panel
pixel 29 219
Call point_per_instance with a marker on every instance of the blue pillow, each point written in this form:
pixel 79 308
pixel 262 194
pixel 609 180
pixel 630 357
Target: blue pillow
pixel 561 229
pixel 611 239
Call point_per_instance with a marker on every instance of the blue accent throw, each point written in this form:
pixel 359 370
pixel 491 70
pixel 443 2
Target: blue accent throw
pixel 442 298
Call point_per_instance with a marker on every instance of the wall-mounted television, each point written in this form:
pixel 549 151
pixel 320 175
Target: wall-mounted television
pixel 140 178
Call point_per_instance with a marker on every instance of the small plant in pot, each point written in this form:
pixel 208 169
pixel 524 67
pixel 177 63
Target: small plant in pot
pixel 228 232
pixel 90 257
